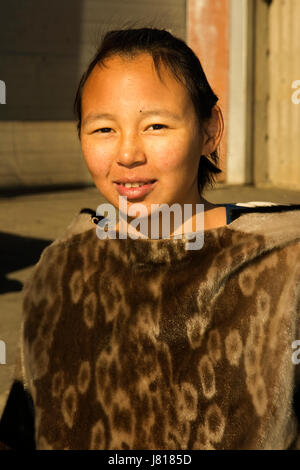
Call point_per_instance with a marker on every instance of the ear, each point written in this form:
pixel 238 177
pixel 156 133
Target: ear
pixel 212 131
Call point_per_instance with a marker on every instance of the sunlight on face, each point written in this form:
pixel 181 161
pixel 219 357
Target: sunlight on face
pixel 136 126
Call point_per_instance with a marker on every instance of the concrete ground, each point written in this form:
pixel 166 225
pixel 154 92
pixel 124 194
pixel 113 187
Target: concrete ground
pixel 28 223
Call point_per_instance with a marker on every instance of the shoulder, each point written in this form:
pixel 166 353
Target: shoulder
pixel 82 222
pixel 52 257
pixel 86 219
pixel 235 210
pixel 278 223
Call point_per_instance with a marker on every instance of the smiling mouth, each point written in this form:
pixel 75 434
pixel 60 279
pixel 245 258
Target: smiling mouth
pixel 136 184
pixel 135 190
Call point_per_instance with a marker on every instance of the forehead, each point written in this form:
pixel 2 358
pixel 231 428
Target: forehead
pixel 137 78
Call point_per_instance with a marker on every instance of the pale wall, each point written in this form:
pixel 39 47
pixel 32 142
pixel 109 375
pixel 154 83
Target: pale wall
pixel 44 49
pixel 276 117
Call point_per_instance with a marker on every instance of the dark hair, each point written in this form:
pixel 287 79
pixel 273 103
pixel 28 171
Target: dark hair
pixel 181 61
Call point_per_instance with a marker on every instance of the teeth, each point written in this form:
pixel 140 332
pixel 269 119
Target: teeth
pixel 133 185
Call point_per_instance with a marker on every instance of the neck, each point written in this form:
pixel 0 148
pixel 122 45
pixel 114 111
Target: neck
pixel 202 215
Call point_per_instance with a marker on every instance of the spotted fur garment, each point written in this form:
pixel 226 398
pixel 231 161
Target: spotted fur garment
pixel 143 344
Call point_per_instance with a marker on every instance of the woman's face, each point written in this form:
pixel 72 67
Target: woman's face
pixel 136 127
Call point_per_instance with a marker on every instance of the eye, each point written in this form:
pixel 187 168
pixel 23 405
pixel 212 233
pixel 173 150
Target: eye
pixel 157 127
pixel 103 130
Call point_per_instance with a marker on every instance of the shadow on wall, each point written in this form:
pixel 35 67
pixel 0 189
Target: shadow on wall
pixel 39 49
pixel 17 252
pixel 45 46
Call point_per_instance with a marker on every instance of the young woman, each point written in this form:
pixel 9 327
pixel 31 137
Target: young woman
pixel 140 343
pixel 146 112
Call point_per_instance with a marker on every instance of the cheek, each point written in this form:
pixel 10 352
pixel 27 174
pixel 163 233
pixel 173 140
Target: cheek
pixel 97 160
pixel 171 155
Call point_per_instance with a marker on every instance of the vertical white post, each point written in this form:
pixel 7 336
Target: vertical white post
pixel 240 116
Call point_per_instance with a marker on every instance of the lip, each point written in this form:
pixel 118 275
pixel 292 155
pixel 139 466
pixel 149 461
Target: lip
pixel 135 180
pixel 135 193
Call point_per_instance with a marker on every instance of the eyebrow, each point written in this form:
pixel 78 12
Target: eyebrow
pixel 157 112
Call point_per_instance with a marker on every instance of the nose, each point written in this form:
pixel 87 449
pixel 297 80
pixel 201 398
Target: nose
pixel 131 151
